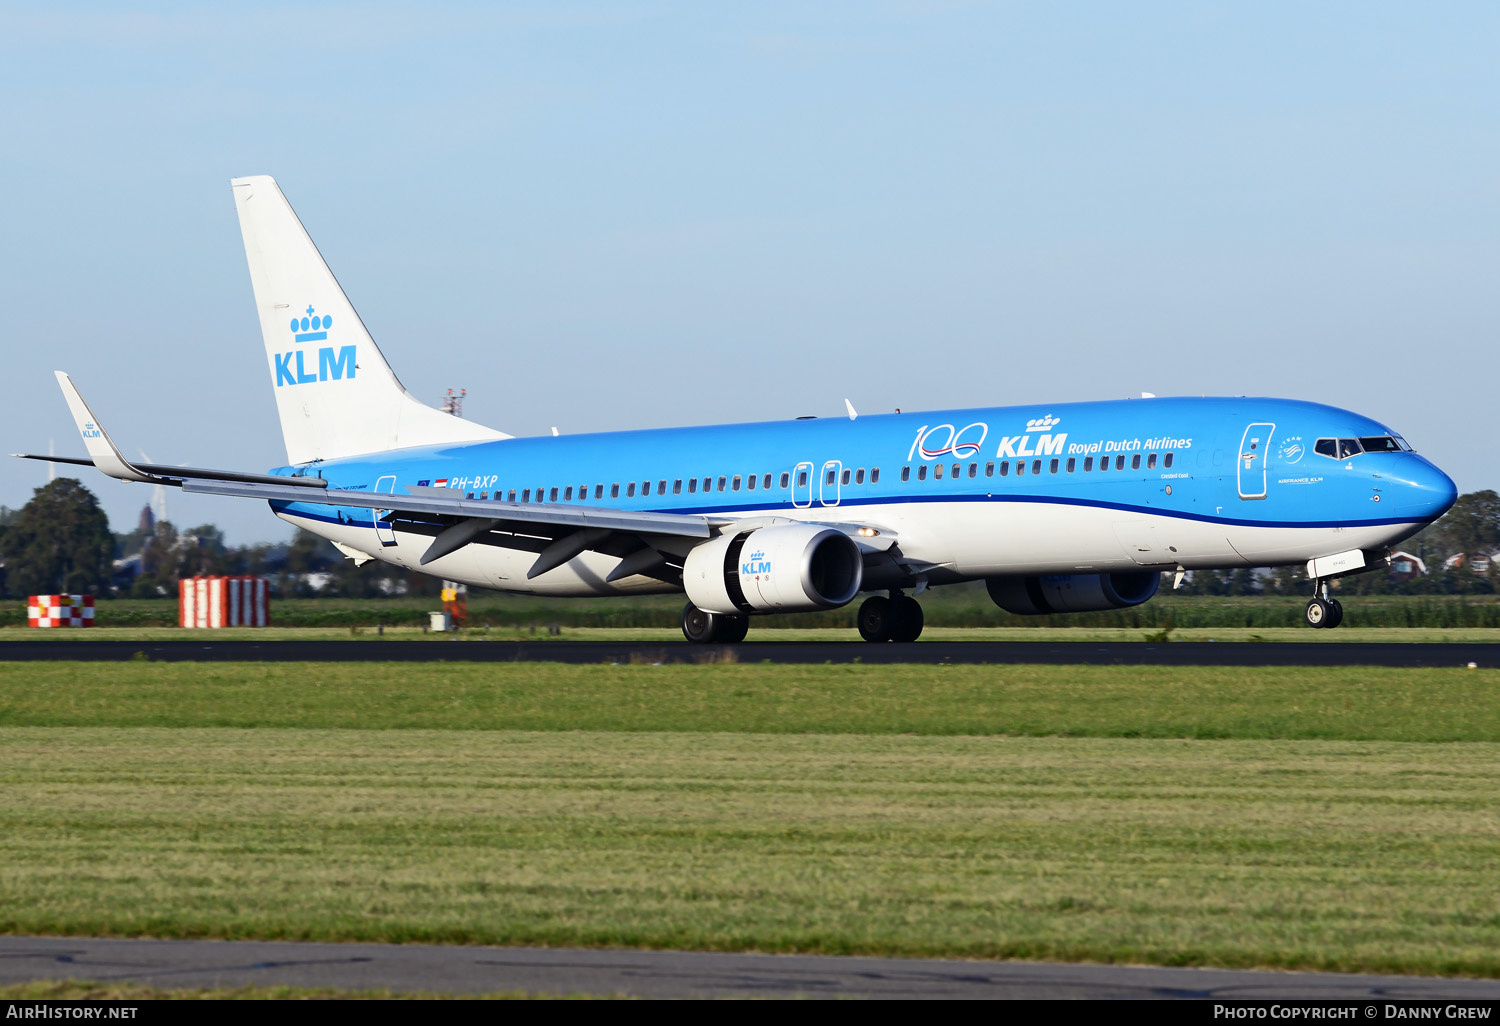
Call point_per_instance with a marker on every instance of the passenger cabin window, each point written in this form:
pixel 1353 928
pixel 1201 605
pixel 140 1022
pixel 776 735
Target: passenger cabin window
pixel 1004 468
pixel 786 479
pixel 958 471
pixel 692 485
pixel 512 497
pixel 526 495
pixel 937 471
pixel 766 481
pixel 831 475
pixel 989 469
pixel 1020 467
pixel 1036 466
pixel 1135 462
pixel 875 475
pixel 661 488
pixel 1072 463
pixel 750 482
pixel 630 490
pixel 922 472
pixel 1088 464
pixel 1119 462
pixel 1167 460
pixel 801 479
pixel 906 473
pixel 973 470
pixel 568 494
pixel 708 484
pixel 645 487
pixel 677 487
pixel 614 490
pixel 598 491
pixel 486 495
pixel 844 479
pixel 1151 462
pixel 735 485
pixel 721 483
pixel 554 495
pixel 1052 467
pixel 859 476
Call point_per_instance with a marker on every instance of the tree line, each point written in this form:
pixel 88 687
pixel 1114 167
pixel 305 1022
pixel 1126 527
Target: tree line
pixel 61 542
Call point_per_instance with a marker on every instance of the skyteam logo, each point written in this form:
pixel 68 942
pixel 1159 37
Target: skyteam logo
pixel 296 367
pixel 1292 450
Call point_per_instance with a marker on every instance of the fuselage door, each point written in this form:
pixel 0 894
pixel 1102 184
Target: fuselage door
pixel 383 532
pixel 828 483
pixel 802 485
pixel 1255 446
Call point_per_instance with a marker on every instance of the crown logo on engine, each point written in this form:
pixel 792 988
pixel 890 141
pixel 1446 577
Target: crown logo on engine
pixel 311 328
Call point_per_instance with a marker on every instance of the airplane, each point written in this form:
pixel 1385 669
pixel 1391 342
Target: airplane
pixel 1058 508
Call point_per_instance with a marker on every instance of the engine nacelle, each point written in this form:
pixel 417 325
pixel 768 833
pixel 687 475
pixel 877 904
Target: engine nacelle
pixel 1072 593
pixel 789 568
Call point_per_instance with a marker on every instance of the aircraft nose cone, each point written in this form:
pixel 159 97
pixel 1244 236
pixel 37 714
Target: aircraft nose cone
pixel 1426 493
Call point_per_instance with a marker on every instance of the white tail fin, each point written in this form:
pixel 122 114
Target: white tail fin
pixel 334 391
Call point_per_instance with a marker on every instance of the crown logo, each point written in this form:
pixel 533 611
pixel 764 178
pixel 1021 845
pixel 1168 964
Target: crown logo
pixel 311 328
pixel 1043 423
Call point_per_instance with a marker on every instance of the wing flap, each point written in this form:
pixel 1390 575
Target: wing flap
pixel 547 514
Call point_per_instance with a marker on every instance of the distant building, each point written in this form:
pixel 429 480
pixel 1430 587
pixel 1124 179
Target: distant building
pixel 1405 566
pixel 147 524
pixel 1478 562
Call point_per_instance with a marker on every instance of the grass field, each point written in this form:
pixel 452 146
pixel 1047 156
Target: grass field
pixel 955 606
pixel 1292 818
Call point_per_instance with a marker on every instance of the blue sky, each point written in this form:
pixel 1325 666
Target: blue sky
pixel 605 216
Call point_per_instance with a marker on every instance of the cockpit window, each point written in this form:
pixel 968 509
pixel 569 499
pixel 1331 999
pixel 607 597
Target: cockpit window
pixel 1380 443
pixel 1339 448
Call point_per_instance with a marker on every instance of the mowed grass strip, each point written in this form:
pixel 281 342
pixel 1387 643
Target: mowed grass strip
pixel 1372 856
pixel 1353 703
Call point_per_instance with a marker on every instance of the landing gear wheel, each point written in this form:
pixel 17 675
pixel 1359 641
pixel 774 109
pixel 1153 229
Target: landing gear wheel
pixel 732 629
pixel 700 627
pixel 875 620
pixel 1335 613
pixel 1319 614
pixel 907 619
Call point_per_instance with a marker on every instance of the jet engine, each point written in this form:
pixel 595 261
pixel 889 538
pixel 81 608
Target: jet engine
pixel 788 568
pixel 1072 593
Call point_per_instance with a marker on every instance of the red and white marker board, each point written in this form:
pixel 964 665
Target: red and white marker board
pixel 223 602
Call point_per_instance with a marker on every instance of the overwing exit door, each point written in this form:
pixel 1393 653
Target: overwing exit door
pixel 802 485
pixel 1255 446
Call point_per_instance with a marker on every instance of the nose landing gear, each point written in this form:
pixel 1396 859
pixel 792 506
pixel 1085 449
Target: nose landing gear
pixel 1323 611
pixel 898 618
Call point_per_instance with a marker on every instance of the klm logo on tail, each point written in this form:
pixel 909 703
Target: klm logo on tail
pixel 294 368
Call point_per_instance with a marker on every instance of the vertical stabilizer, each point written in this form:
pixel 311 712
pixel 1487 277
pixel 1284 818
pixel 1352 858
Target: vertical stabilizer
pixel 334 391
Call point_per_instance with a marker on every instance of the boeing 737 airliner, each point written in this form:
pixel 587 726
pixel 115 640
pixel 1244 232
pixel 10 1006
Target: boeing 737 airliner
pixel 1058 508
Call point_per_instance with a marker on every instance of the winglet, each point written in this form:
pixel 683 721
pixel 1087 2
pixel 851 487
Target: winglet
pixel 101 450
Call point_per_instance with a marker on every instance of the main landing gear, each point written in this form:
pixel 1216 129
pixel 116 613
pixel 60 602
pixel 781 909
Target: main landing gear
pixel 713 628
pixel 1323 611
pixel 898 618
